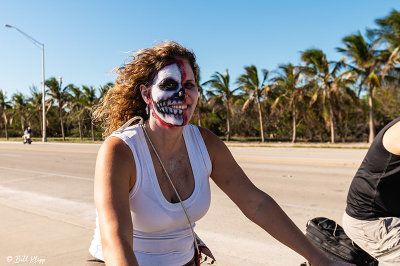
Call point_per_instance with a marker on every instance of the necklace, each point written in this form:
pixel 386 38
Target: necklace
pixel 172 184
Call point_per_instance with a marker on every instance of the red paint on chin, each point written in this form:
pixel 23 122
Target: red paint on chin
pixel 158 118
pixel 166 124
pixel 185 119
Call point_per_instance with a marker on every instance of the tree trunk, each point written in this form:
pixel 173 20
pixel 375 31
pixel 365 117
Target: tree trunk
pixel 260 120
pixel 91 124
pixel 41 123
pixel 22 123
pixel 5 125
pixel 228 122
pixel 80 129
pixel 332 131
pixel 61 122
pixel 331 115
pixel 294 123
pixel 198 116
pixel 371 115
pixel 346 126
pixel 332 124
pixel 47 117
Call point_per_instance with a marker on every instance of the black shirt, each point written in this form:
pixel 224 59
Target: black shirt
pixel 375 189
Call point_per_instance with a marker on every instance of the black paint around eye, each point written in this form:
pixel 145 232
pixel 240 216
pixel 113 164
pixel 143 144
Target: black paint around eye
pixel 169 85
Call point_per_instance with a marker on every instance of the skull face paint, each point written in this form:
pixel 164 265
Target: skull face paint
pixel 167 96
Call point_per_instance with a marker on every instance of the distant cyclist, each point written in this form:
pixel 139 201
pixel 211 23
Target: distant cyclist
pixel 27 135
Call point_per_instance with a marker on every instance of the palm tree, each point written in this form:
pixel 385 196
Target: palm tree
pixel 200 104
pixel 366 64
pixel 328 82
pixel 345 100
pixel 59 94
pixel 77 106
pixel 255 89
pixel 219 84
pixel 19 106
pixel 4 106
pixel 388 34
pixel 289 82
pixel 89 100
pixel 105 88
pixel 35 102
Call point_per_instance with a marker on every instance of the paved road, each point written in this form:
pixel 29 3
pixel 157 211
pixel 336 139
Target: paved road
pixel 47 211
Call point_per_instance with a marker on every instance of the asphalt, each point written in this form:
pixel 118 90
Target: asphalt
pixel 47 210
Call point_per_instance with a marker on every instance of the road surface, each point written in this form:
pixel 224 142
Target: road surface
pixel 47 210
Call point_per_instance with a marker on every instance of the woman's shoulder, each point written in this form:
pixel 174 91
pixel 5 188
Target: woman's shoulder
pixel 115 154
pixel 122 141
pixel 114 146
pixel 131 136
pixel 129 132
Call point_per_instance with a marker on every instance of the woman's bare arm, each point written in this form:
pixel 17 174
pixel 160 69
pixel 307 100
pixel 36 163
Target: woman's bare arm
pixel 115 175
pixel 257 205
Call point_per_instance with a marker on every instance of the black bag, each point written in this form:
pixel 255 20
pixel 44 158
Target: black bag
pixel 330 237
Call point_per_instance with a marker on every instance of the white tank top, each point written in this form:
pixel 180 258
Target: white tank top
pixel 161 233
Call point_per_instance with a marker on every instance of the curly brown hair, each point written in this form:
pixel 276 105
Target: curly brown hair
pixel 124 100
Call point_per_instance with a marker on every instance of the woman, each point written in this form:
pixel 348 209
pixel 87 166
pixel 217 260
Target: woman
pixel 139 217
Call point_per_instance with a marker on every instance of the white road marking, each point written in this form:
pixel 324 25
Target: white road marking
pixel 296 162
pixel 309 207
pixel 73 212
pixel 10 155
pixel 23 179
pixel 289 205
pixel 47 173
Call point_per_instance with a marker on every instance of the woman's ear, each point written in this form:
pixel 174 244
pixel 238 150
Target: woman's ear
pixel 144 91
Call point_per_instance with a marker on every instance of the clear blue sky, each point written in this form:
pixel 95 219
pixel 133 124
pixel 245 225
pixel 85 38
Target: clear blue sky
pixel 85 40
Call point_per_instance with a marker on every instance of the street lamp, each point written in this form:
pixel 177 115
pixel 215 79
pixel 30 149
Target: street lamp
pixel 41 45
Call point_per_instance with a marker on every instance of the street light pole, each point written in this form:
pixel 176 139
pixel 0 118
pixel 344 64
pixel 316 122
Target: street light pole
pixel 44 137
pixel 41 45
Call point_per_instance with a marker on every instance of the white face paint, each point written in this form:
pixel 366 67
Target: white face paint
pixel 168 96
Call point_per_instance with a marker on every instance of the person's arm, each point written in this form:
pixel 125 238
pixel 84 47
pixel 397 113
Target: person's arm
pixel 391 139
pixel 257 205
pixel 115 175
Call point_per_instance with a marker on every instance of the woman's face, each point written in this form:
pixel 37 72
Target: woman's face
pixel 173 94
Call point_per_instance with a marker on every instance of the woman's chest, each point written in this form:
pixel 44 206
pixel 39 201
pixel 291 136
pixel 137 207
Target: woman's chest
pixel 174 176
pixel 150 209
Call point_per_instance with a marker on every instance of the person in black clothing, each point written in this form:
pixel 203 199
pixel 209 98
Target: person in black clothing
pixel 372 217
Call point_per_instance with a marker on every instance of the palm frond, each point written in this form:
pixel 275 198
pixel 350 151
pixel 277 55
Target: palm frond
pixel 247 103
pixel 314 97
pixel 374 80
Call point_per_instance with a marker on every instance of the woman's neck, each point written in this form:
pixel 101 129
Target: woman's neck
pixel 165 139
